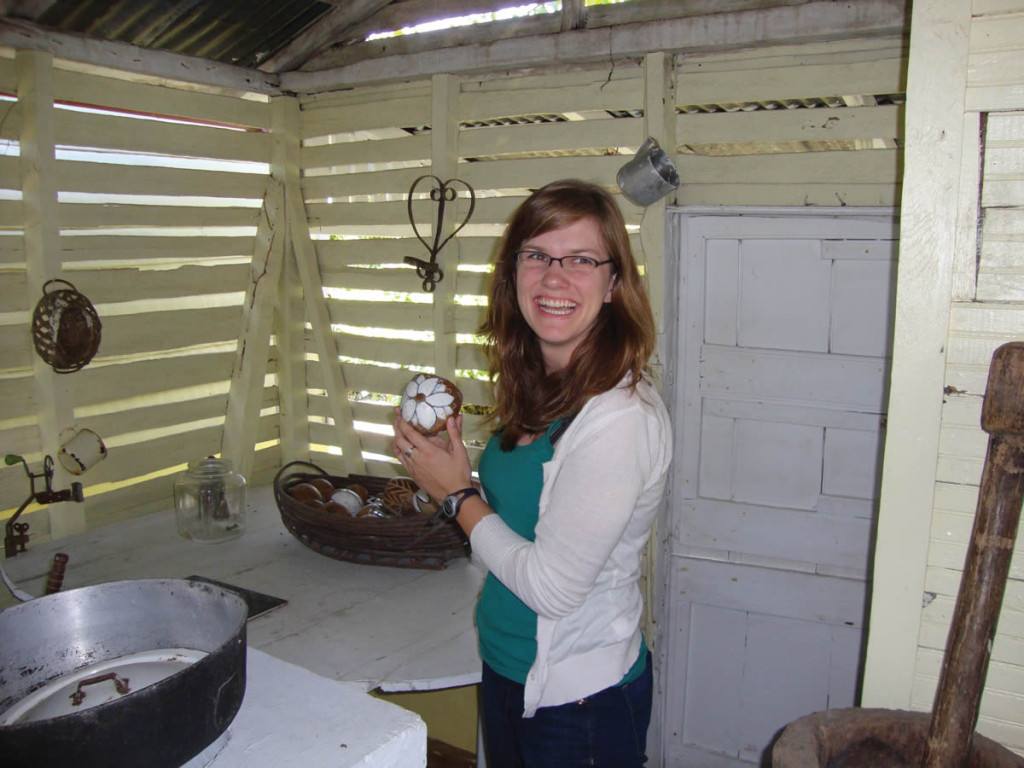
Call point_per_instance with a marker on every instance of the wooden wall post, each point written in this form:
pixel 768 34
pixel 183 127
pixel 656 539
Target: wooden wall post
pixel 318 316
pixel 44 262
pixel 660 124
pixel 444 137
pixel 241 424
pixel 936 87
pixel 289 320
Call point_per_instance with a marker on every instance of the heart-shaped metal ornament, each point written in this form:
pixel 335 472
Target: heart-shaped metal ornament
pixel 441 193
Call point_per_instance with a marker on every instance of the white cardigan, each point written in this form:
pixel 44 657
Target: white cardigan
pixel 602 490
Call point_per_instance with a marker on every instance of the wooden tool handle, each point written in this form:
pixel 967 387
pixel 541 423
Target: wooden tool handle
pixel 55 579
pixel 989 552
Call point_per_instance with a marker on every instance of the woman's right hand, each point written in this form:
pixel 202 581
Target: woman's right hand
pixel 438 466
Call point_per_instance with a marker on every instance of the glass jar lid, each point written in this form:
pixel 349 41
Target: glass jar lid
pixel 210 466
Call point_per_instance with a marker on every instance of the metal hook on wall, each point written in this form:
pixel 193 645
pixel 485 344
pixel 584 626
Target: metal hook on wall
pixel 441 194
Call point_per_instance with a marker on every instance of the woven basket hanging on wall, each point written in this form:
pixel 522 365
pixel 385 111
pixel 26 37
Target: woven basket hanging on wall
pixel 65 328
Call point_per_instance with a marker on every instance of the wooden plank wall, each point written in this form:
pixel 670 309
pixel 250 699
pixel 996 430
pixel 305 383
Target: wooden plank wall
pixel 789 125
pixel 161 247
pixel 363 151
pixel 752 128
pixel 987 310
pixel 792 125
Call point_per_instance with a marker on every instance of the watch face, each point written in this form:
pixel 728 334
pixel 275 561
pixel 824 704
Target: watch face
pixel 450 506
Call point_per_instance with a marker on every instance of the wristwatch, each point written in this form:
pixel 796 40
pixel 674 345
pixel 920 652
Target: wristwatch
pixel 452 502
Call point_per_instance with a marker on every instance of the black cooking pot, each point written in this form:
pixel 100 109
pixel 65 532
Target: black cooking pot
pixel 157 667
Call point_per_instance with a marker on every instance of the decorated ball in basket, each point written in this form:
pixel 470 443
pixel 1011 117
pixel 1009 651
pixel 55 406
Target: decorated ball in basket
pixel 397 495
pixel 428 401
pixel 305 493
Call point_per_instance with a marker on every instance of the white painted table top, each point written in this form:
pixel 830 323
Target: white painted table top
pixel 329 725
pixel 397 629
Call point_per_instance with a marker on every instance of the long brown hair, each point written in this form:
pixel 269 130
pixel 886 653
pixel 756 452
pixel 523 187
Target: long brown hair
pixel 622 339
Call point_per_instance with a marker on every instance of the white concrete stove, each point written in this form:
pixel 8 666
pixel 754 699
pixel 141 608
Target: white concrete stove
pixel 293 717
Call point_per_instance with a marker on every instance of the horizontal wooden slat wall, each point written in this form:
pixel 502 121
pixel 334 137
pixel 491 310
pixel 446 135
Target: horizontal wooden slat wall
pixel 809 125
pixel 1000 276
pixel 363 150
pixel 159 193
pixel 163 248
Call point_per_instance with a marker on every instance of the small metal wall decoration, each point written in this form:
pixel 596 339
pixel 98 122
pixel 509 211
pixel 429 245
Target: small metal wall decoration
pixel 65 328
pixel 442 193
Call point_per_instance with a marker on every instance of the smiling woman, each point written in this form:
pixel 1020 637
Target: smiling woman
pixel 570 482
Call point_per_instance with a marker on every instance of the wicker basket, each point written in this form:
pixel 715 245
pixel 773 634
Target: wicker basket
pixel 403 542
pixel 66 330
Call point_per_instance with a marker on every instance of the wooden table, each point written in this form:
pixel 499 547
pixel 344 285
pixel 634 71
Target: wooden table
pixel 396 629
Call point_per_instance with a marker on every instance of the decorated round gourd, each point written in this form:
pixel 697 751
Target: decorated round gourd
pixel 305 493
pixel 397 495
pixel 428 401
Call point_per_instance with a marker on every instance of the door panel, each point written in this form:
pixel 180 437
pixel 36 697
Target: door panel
pixel 781 376
pixel 850 463
pixel 783 288
pixel 765 647
pixel 860 317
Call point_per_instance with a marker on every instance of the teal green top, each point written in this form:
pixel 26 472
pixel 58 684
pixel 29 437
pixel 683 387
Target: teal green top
pixel 507 627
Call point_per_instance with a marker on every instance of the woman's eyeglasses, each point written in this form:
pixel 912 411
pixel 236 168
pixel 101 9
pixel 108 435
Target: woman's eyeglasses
pixel 576 265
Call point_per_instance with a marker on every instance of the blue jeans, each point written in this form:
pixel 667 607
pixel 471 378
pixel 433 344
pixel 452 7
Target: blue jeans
pixel 608 728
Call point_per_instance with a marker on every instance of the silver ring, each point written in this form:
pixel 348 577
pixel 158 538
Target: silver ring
pixel 408 451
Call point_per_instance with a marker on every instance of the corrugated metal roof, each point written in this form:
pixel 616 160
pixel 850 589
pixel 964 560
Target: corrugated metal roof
pixel 241 32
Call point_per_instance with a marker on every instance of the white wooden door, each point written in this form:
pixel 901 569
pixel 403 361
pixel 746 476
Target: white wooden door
pixel 778 401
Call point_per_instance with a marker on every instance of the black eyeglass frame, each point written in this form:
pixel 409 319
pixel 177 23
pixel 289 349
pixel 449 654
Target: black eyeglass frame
pixel 560 259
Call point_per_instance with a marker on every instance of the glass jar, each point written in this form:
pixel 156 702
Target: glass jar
pixel 209 501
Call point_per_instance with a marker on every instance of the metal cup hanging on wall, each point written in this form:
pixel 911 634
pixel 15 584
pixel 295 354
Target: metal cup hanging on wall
pixel 649 176
pixel 65 328
pixel 80 450
pixel 442 193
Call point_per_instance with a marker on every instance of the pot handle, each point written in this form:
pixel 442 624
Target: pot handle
pixel 226 705
pixel 120 685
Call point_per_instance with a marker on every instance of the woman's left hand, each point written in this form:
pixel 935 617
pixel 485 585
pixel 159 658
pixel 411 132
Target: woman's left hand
pixel 438 466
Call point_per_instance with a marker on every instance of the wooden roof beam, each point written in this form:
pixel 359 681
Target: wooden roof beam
pixel 391 16
pixel 144 62
pixel 321 33
pixel 806 22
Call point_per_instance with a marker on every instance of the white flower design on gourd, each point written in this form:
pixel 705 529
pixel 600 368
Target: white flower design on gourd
pixel 427 400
